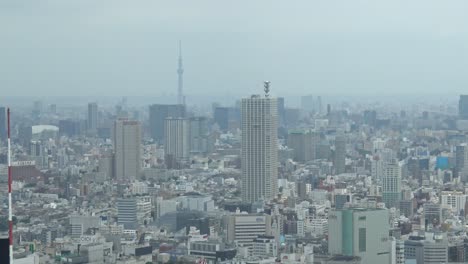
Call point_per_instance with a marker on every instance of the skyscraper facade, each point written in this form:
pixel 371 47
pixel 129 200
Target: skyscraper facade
pixel 381 158
pixel 391 184
pixel 157 116
pixel 127 140
pixel 259 148
pixel 461 161
pixel 463 106
pixel 177 145
pixel 339 161
pixel 92 117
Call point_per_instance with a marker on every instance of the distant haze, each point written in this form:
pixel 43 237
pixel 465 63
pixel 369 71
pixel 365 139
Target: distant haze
pixel 328 47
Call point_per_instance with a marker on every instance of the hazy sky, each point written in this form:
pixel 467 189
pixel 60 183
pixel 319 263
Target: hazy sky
pixel 100 47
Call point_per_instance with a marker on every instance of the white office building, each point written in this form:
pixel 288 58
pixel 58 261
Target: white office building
pixel 242 229
pixel 454 200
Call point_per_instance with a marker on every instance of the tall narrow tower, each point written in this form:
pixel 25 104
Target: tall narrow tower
pixel 259 147
pixel 391 184
pixel 127 140
pixel 340 154
pixel 92 117
pixel 180 73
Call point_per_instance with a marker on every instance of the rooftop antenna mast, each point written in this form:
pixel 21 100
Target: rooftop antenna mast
pixel 10 208
pixel 266 88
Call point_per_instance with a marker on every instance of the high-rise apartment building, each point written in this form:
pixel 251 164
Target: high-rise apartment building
pixel 38 154
pixel 461 161
pixel 380 159
pixel 463 106
pixel 391 184
pixel 157 116
pixel 361 233
pixel 259 148
pixel 176 146
pixel 92 117
pixel 127 140
pixel 339 161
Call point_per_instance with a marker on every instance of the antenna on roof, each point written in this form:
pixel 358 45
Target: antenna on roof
pixel 266 85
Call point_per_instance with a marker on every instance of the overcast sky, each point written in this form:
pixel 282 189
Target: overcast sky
pixel 100 47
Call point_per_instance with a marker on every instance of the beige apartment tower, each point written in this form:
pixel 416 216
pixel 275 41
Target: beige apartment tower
pixel 127 140
pixel 259 149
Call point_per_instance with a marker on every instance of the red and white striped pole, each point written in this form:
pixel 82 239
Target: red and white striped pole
pixel 10 208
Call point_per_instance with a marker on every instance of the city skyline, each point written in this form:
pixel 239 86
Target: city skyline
pixel 213 132
pixel 362 47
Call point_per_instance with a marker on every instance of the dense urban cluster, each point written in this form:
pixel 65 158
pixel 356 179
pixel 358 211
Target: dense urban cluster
pixel 256 182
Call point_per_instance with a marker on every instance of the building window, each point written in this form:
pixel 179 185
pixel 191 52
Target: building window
pixel 362 240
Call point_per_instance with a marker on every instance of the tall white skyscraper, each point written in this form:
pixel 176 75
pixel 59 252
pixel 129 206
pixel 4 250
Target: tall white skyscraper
pixel 177 145
pixel 259 148
pixel 391 184
pixel 127 140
